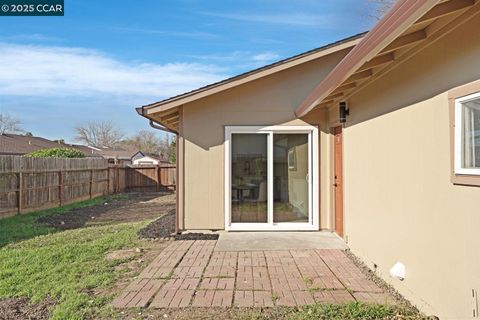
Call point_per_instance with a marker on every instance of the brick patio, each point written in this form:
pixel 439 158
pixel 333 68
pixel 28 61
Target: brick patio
pixel 191 273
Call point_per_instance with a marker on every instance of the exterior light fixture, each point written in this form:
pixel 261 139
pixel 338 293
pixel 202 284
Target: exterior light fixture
pixel 343 112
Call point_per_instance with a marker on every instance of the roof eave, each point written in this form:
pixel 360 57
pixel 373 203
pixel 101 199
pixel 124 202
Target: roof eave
pixel 249 76
pixel 392 25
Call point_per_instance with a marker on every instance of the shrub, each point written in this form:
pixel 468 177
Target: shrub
pixel 56 153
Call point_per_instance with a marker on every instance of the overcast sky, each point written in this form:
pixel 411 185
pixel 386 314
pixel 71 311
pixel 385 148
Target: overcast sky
pixel 104 58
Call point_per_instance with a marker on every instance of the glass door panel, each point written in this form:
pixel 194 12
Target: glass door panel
pixel 290 178
pixel 249 178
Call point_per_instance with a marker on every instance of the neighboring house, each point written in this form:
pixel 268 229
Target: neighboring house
pixel 15 144
pixel 150 160
pixel 119 155
pixel 115 155
pixel 397 177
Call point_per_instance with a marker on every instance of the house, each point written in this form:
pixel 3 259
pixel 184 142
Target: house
pixel 18 145
pixel 15 144
pixel 114 155
pixel 374 137
pixel 118 155
pixel 150 160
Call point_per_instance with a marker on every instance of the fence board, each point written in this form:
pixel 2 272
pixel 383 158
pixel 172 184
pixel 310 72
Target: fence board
pixel 28 184
pixel 150 178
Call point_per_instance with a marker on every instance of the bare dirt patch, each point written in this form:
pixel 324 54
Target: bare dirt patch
pixel 235 313
pixel 123 254
pixel 21 308
pixel 164 227
pixel 209 313
pixel 130 207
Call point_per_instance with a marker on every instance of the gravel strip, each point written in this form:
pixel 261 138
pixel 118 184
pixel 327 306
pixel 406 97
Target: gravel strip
pixel 371 275
pixel 161 228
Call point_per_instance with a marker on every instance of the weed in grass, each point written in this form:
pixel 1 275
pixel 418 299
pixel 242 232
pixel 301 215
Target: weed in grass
pixel 167 277
pixel 309 283
pixel 275 297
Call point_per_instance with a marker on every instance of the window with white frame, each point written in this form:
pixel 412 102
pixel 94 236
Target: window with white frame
pixel 467 135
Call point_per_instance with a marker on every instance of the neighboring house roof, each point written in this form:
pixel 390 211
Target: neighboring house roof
pixel 87 151
pixel 410 26
pixel 117 152
pixel 166 110
pixel 159 159
pixel 16 144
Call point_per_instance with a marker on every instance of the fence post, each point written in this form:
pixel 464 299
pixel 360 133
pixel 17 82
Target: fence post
pixel 108 180
pixel 60 188
pixel 20 192
pixel 117 179
pixel 158 177
pixel 91 182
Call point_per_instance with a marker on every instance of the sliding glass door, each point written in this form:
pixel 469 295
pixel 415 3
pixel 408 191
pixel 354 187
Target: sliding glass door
pixel 269 183
pixel 290 178
pixel 249 178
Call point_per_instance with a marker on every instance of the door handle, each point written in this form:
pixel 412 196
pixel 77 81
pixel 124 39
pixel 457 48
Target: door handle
pixel 335 184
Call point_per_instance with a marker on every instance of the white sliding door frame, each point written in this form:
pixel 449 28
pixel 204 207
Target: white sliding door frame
pixel 313 179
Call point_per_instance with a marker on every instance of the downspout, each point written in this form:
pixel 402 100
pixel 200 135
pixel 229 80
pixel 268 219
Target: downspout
pixel 158 126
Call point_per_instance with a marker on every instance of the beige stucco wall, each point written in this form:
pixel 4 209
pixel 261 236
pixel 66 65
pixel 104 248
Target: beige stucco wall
pixel 400 204
pixel 266 101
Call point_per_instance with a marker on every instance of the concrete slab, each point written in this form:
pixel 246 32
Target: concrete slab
pixel 253 241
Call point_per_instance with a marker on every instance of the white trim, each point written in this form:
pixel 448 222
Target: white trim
pixel 458 132
pixel 269 178
pixel 313 178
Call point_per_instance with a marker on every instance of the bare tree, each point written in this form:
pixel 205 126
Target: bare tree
pixel 98 134
pixel 9 124
pixel 381 7
pixel 149 142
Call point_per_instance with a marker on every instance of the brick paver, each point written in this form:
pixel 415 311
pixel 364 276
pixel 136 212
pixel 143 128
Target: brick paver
pixel 217 283
pixel 262 299
pixel 347 272
pixel 138 293
pixel 284 297
pixel 333 296
pixel 374 297
pixel 243 298
pixel 219 271
pixel 191 273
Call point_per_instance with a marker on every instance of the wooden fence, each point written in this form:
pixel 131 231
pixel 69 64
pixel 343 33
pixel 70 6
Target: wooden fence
pixel 28 184
pixel 141 178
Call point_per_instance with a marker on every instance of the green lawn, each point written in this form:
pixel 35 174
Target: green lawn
pixel 23 226
pixel 62 265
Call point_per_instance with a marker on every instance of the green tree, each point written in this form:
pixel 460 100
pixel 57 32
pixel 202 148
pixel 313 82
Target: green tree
pixel 56 153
